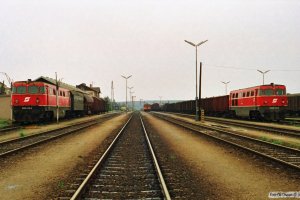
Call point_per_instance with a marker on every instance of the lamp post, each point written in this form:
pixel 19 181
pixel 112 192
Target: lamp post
pixel 225 83
pixel 130 93
pixel 133 102
pixel 263 73
pixel 10 82
pixel 197 106
pixel 131 99
pixel 160 99
pixel 126 77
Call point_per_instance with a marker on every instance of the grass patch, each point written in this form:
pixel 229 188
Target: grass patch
pixel 264 138
pixel 279 142
pixel 3 123
pixel 22 134
pixel 273 141
pixel 61 184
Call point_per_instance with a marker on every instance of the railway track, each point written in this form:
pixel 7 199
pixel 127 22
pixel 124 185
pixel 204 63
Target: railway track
pixel 15 145
pixel 127 170
pixel 9 128
pixel 277 130
pixel 284 155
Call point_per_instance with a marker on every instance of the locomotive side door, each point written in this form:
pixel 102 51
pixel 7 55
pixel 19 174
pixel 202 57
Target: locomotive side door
pixel 255 99
pixel 47 94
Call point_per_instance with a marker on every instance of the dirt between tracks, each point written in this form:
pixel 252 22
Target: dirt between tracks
pixel 37 128
pixel 222 171
pixel 41 172
pixel 285 140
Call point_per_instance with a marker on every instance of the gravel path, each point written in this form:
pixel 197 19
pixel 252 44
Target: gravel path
pixel 219 171
pixel 46 169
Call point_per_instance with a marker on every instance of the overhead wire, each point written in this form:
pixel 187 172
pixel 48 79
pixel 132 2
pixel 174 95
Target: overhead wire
pixel 251 68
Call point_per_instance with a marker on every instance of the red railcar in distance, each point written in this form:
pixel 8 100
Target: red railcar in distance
pixel 147 107
pixel 34 100
pixel 263 101
pixel 216 106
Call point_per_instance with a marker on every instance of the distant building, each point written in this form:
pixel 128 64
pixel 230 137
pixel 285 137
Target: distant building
pixel 4 90
pixel 94 91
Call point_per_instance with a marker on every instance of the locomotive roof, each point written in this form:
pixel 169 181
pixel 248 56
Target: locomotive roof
pixel 61 84
pixel 272 84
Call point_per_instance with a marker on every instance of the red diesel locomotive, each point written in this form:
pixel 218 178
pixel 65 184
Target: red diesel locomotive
pixel 264 101
pixel 32 101
pixel 259 102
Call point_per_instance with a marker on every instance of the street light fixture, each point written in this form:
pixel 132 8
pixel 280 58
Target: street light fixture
pixel 263 73
pixel 130 88
pixel 196 45
pixel 133 102
pixel 225 83
pixel 126 77
pixel 160 99
pixel 131 99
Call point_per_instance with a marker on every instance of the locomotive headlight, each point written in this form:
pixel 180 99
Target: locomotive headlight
pixel 17 101
pixel 37 100
pixel 265 102
pixel 282 101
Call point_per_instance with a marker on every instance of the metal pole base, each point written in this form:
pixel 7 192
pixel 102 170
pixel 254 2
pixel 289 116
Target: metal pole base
pixel 197 117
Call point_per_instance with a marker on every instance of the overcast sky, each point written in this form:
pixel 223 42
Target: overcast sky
pixel 97 41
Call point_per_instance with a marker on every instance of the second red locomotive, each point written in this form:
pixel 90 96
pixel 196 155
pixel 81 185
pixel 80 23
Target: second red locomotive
pixel 259 102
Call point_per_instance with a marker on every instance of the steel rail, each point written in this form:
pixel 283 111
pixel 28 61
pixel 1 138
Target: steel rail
pixel 53 130
pixel 161 178
pixel 85 124
pixel 277 130
pixel 10 128
pixel 172 120
pixel 86 181
pixel 281 131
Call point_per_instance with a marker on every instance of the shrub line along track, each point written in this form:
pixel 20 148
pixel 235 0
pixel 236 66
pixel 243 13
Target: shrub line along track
pixel 12 146
pixel 285 155
pixel 127 169
pixel 277 130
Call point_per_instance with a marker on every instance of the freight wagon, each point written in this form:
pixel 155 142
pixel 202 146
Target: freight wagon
pixel 293 108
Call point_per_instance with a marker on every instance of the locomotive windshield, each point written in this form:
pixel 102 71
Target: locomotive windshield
pixel 280 92
pixel 19 90
pixel 42 90
pixel 270 92
pixel 267 92
pixel 33 89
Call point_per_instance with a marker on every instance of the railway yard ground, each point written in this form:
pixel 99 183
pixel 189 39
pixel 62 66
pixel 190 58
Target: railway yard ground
pixel 287 140
pixel 194 166
pixel 38 128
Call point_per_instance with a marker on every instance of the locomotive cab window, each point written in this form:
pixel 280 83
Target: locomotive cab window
pixel 33 89
pixel 42 90
pixel 267 92
pixel 21 90
pixel 280 92
pixel 14 90
pixel 252 93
